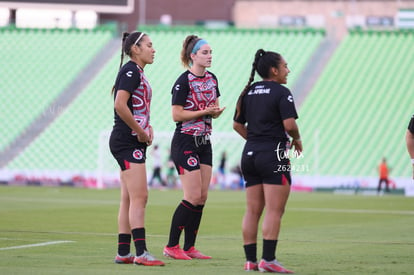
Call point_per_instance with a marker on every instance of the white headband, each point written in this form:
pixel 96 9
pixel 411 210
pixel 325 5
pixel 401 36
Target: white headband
pixel 139 38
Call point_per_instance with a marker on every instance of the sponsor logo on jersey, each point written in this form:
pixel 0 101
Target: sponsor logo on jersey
pixel 137 154
pixel 290 98
pixel 129 74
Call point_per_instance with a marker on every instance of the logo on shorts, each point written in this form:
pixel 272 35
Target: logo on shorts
pixel 192 161
pixel 137 154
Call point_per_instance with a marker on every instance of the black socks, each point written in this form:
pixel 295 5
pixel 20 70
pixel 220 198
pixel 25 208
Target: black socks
pixel 191 229
pixel 269 250
pixel 138 235
pixel 183 217
pixel 124 244
pixel 250 252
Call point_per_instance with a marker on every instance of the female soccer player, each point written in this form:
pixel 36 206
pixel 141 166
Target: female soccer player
pixel 194 104
pixel 265 114
pixel 131 135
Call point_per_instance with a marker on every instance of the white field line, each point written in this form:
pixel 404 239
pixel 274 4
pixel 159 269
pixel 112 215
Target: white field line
pixel 354 211
pixel 116 202
pixel 34 245
pixel 60 201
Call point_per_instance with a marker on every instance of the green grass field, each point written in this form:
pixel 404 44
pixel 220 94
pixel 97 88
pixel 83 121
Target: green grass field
pixel 321 233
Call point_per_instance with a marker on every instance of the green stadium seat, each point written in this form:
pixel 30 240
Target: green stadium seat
pixel 32 78
pixel 358 110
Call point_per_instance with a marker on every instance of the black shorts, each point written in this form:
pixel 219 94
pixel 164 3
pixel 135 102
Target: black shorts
pixel 188 152
pixel 269 166
pixel 126 150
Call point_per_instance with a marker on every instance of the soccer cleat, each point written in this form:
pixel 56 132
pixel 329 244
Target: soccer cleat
pixel 128 259
pixel 175 252
pixel 250 266
pixel 195 254
pixel 273 266
pixel 147 259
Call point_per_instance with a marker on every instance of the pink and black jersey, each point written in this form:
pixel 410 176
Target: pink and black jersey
pixel 131 78
pixel 195 93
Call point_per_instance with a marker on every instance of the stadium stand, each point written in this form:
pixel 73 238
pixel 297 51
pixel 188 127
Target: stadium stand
pixel 358 110
pixel 36 66
pixel 72 141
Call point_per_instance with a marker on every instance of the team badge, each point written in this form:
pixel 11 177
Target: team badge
pixel 192 161
pixel 137 154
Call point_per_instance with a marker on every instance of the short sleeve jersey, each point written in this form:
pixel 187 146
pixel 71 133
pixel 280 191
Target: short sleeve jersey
pixel 264 107
pixel 411 125
pixel 195 93
pixel 131 78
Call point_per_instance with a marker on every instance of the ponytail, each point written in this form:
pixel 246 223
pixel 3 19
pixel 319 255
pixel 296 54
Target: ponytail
pixel 239 104
pixel 124 37
pixel 128 40
pixel 187 49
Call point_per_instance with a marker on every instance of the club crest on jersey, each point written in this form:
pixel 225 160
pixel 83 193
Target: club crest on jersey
pixel 137 154
pixel 192 161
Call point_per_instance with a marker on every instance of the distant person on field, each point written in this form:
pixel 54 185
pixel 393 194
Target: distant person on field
pixel 171 178
pixel 383 171
pixel 156 172
pixel 265 116
pixel 409 138
pixel 222 170
pixel 131 134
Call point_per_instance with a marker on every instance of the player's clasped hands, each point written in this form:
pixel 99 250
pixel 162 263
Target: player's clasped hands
pixel 145 137
pixel 214 110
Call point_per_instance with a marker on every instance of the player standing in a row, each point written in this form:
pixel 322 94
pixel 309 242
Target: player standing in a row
pixel 131 135
pixel 194 104
pixel 265 113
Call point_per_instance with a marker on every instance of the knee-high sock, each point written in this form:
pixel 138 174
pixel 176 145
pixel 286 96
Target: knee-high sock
pixel 180 219
pixel 191 229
